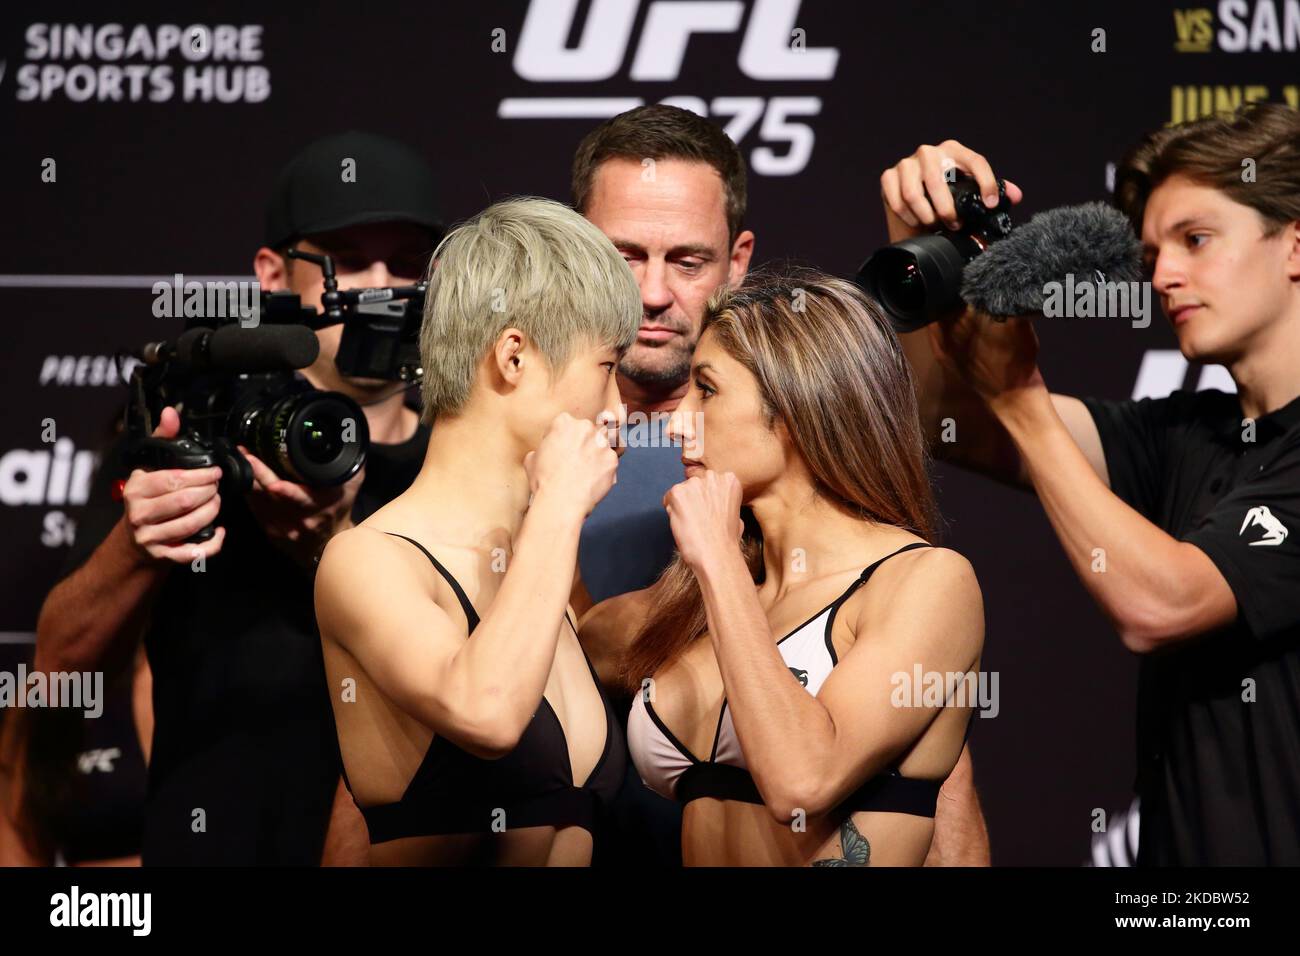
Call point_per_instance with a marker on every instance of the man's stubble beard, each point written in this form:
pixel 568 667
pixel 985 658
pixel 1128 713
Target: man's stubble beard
pixel 673 373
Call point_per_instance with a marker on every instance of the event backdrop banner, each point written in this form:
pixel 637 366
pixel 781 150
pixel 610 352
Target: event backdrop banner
pixel 141 142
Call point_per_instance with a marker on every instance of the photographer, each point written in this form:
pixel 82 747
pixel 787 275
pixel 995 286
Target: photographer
pixel 245 767
pixel 1190 498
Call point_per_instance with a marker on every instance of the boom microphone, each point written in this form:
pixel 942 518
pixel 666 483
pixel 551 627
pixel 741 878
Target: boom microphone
pixel 232 348
pixel 1010 278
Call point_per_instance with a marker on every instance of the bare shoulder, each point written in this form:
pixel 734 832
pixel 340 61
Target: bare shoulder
pixel 359 566
pixel 607 630
pixel 352 553
pixel 925 589
pixel 615 613
pixel 930 567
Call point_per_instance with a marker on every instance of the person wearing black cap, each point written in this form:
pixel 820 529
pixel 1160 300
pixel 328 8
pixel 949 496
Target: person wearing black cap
pixel 370 203
pixel 245 766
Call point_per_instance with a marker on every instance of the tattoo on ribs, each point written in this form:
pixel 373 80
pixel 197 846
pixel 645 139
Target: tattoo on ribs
pixel 856 849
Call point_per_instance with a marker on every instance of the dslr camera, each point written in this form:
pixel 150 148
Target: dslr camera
pixel 918 280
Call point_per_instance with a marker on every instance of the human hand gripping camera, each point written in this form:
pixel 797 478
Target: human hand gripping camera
pixel 166 508
pixel 1185 500
pixel 922 195
pixel 243 422
pixel 956 256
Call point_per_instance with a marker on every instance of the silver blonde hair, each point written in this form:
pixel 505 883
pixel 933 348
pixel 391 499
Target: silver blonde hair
pixel 530 264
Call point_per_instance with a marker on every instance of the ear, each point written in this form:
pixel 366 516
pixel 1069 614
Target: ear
pixel 269 266
pixel 742 250
pixel 789 450
pixel 510 355
pixel 1292 238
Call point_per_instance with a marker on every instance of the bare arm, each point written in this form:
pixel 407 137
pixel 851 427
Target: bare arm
pixel 607 631
pixel 479 693
pixel 96 612
pixel 1155 589
pixel 956 421
pixel 961 837
pixel 809 752
pixel 1158 589
pixel 373 600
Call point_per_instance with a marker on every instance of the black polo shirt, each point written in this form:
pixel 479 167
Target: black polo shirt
pixel 245 756
pixel 1218 715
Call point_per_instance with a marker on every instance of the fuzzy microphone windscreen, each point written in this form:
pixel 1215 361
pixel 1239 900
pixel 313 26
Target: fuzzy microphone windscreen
pixel 1010 277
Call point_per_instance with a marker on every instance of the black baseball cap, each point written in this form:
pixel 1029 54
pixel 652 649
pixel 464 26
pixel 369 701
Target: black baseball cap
pixel 390 182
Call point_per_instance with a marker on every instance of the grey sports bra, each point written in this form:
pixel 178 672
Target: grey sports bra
pixel 670 769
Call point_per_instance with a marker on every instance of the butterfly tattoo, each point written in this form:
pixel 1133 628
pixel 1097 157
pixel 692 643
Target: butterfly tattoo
pixel 857 851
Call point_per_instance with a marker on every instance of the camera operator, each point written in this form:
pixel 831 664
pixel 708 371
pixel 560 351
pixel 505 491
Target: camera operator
pixel 244 767
pixel 1191 497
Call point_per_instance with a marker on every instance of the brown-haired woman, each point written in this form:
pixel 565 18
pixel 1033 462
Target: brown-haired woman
pixel 768 666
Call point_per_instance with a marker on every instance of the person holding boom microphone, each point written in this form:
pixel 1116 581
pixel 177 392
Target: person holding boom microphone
pixel 244 767
pixel 1194 497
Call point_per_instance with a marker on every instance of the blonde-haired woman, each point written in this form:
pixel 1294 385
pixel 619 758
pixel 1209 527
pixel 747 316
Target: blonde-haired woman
pixel 470 722
pixel 764 661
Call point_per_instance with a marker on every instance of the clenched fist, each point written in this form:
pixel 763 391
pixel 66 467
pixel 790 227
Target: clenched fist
pixel 704 513
pixel 574 465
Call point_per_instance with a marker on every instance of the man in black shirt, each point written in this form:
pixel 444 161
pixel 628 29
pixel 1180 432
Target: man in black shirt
pixel 245 766
pixel 1219 717
pixel 1179 513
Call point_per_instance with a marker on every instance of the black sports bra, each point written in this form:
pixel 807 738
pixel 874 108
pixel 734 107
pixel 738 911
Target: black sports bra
pixel 454 791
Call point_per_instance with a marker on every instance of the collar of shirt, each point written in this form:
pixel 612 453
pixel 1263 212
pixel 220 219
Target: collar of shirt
pixel 1267 427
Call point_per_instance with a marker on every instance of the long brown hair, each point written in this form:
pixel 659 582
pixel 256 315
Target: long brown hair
pixel 828 366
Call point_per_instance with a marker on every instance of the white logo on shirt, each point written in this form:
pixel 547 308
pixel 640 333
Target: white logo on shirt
pixel 98 760
pixel 1275 532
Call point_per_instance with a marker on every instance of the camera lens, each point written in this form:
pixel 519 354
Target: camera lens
pixel 904 291
pixel 916 280
pixel 313 438
pixel 320 441
pixel 323 436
